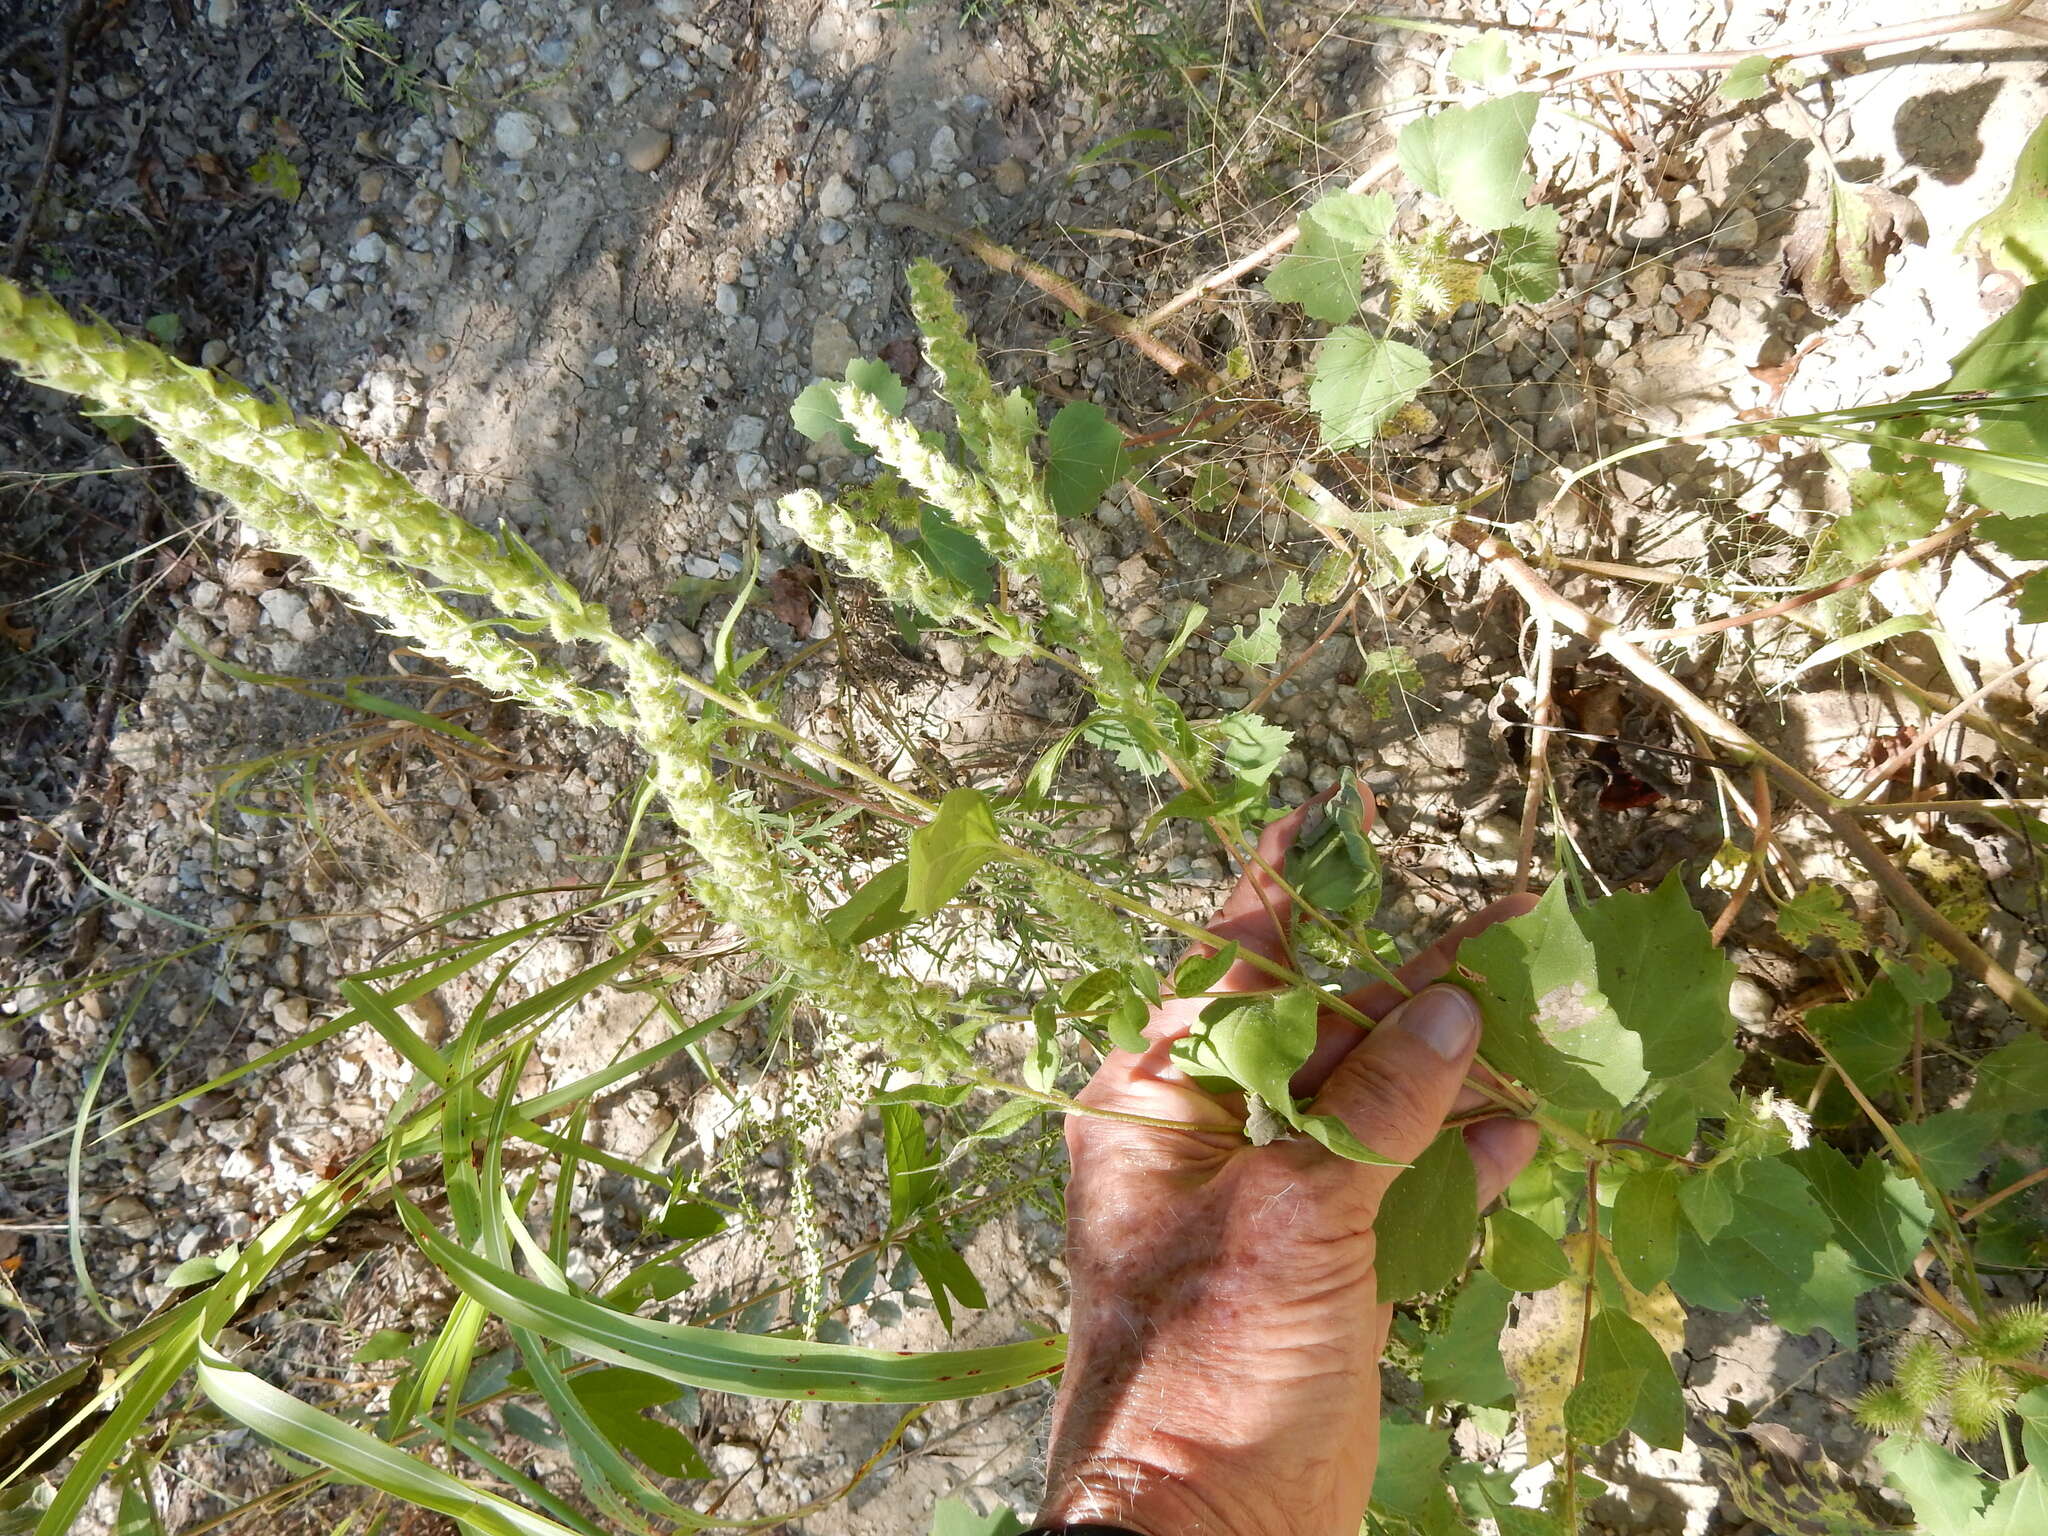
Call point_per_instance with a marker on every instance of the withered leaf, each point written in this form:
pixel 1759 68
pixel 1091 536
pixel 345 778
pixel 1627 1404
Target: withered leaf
pixel 1836 254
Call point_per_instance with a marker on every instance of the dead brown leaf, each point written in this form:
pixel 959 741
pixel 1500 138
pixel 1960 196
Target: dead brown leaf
pixel 792 595
pixel 1836 254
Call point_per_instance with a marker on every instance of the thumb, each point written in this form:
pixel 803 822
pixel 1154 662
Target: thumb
pixel 1396 1086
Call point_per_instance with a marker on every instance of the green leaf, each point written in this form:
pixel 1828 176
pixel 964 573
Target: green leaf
pixel 1360 381
pixel 1426 1221
pixel 274 172
pixel 1951 1145
pixel 2022 538
pixel 2030 602
pixel 956 1517
pixel 944 1272
pixel 1251 745
pixel 2013 1079
pixel 166 328
pixel 615 1399
pixel 1134 746
pixel 1863 639
pixel 2020 1507
pixel 1869 1036
pixel 1889 511
pixel 2011 353
pixel 1198 973
pixel 913 1171
pixel 717 1360
pixel 1707 1200
pixel 1260 647
pixel 1524 265
pixel 1627 1368
pixel 1083 450
pixel 358 1457
pixel 1946 1492
pixel 384 1344
pixel 1880 1217
pixel 1662 974
pixel 1818 912
pixel 2013 237
pixel 1748 79
pixel 873 910
pixel 1411 1464
pixel 815 412
pixel 1645 1226
pixel 947 850
pixel 1325 270
pixel 2032 1409
pixel 1548 1024
pixel 689 1221
pixel 1336 870
pixel 1461 1362
pixel 1521 1255
pixel 1485 61
pixel 948 550
pixel 1258 1046
pixel 1472 158
pixel 1779 1245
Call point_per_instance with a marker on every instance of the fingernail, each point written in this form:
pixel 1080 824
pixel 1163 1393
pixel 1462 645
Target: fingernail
pixel 1443 1018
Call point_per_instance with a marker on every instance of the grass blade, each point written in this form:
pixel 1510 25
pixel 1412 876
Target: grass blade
pixel 306 1431
pixel 748 1364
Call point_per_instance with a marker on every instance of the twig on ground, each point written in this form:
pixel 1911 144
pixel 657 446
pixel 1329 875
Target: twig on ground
pixel 1759 854
pixel 1308 652
pixel 66 34
pixel 1932 544
pixel 1912 749
pixel 1536 776
pixel 1989 19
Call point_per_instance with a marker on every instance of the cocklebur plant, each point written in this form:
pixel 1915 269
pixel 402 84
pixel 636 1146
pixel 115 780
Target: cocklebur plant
pixel 1479 243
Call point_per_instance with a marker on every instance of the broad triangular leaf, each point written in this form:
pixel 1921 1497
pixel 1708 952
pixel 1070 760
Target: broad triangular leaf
pixel 1426 1222
pixel 1472 158
pixel 1524 267
pixel 1083 450
pixel 1548 1024
pixel 1879 1216
pixel 946 851
pixel 1663 975
pixel 1778 1245
pixel 1360 381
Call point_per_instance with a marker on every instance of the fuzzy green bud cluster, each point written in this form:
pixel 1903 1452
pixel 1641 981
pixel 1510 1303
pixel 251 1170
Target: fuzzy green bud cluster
pixel 305 489
pixel 873 556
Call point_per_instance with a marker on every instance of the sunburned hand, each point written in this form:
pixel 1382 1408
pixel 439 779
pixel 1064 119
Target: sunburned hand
pixel 1223 1371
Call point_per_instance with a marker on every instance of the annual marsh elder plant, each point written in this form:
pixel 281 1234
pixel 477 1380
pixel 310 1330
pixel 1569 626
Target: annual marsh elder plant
pixel 1607 1018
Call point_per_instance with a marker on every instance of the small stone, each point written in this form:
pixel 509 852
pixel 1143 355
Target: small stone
pixel 369 250
pixel 648 149
pixel 214 353
pixel 836 199
pixel 517 134
pixel 1752 1006
pixel 131 1218
pixel 1737 231
pixel 288 611
pixel 951 655
pixel 370 187
pixel 832 348
pixel 1012 176
pixel 726 300
pixel 944 151
pixel 734 1458
pixel 652 59
pixel 608 358
pixel 832 231
pixel 1653 223
pixel 746 434
pixel 222 14
pixel 138 1072
pixel 903 165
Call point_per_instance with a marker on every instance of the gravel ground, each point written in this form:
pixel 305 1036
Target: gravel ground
pixel 567 272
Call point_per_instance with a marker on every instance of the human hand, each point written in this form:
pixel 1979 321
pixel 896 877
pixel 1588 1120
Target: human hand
pixel 1222 1370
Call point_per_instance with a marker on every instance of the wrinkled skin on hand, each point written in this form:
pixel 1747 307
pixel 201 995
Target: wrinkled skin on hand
pixel 1223 1370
